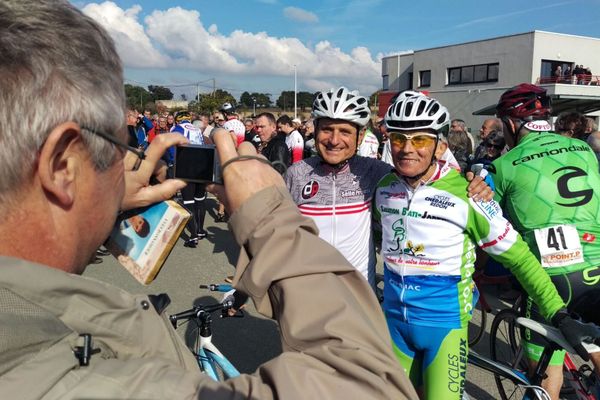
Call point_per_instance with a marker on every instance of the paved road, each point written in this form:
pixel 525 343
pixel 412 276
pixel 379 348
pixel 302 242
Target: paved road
pixel 248 341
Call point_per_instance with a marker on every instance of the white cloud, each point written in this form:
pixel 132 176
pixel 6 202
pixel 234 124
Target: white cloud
pixel 176 38
pixel 300 15
pixel 133 44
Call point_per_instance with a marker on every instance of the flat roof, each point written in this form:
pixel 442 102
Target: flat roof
pixel 489 39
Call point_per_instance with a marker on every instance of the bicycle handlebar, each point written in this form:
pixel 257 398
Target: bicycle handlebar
pixel 553 334
pixel 198 311
pixel 216 287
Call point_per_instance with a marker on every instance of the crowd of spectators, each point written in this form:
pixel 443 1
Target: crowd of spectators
pixel 298 135
pixel 577 75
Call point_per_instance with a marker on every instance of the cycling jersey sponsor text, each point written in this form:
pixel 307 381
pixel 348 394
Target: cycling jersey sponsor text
pixel 390 210
pixel 351 193
pixel 416 214
pixel 440 201
pixel 551 152
pixel 457 368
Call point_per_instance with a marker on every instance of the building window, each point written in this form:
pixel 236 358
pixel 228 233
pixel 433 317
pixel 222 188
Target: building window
pixel 473 74
pixel 425 78
pixel 386 82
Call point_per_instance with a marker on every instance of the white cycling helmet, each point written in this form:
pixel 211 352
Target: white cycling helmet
pixel 417 113
pixel 342 104
pixel 227 108
pixel 406 94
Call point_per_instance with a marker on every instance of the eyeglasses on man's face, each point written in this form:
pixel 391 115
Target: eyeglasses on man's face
pixel 140 155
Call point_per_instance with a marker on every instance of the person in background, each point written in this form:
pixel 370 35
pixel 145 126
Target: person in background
pixel 309 138
pixel 460 146
pixel 251 135
pixel 460 125
pixel 272 145
pixel 369 145
pixel 138 126
pixel 194 194
pixel 571 124
pixel 593 141
pixel 489 125
pixel 170 121
pixel 293 138
pixel 384 151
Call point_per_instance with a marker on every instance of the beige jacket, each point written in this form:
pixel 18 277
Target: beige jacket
pixel 335 341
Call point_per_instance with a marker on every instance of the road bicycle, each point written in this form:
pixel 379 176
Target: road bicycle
pixel 509 365
pixel 210 360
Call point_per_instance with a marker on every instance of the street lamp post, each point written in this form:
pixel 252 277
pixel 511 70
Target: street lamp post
pixel 295 92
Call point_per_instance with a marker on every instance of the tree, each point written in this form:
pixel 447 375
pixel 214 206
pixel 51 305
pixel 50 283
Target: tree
pixel 137 96
pixel 246 100
pixel 303 100
pixel 160 93
pixel 374 98
pixel 262 100
pixel 208 103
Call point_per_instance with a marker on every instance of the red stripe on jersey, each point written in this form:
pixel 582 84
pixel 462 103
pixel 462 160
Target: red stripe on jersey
pixel 331 208
pixel 330 211
pixel 489 244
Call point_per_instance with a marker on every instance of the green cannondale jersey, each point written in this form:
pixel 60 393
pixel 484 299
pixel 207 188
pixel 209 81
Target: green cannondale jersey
pixel 549 187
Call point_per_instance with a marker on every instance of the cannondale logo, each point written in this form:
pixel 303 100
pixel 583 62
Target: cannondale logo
pixel 310 190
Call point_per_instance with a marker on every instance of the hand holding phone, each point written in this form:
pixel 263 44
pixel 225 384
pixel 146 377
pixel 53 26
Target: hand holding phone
pixel 197 163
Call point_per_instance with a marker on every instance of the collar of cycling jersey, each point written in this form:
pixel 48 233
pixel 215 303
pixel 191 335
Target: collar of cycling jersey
pixel 532 135
pixel 336 167
pixel 437 173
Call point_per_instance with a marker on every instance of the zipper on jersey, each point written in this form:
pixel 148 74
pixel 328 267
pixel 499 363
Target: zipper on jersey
pixel 334 217
pixel 410 193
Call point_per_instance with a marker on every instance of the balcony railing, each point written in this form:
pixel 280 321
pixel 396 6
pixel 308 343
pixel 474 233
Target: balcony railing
pixel 582 79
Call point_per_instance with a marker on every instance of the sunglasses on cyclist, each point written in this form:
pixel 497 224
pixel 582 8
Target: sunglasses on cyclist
pixel 418 141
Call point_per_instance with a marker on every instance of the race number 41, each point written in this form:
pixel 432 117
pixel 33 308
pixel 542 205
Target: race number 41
pixel 559 246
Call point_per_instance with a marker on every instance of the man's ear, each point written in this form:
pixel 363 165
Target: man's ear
pixel 59 162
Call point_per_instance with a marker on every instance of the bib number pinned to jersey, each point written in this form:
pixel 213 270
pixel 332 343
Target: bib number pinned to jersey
pixel 559 246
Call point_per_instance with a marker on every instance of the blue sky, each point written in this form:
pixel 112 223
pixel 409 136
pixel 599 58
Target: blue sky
pixel 253 45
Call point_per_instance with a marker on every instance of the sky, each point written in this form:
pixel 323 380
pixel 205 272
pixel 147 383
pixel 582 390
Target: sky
pixel 257 45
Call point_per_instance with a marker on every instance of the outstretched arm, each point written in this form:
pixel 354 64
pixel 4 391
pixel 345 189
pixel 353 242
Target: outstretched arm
pixel 335 339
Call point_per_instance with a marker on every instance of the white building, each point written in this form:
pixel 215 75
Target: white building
pixel 470 77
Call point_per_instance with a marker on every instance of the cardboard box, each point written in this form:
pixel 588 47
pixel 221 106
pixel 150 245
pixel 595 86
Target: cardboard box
pixel 143 238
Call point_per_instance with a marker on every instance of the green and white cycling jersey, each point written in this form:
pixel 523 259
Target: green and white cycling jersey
pixel 428 243
pixel 549 187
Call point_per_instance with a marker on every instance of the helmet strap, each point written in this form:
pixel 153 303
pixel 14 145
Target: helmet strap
pixel 508 124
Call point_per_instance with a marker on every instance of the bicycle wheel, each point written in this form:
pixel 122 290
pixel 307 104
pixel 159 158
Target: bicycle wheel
pixel 505 346
pixel 477 324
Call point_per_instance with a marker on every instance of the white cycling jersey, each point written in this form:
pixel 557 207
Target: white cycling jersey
pixel 339 201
